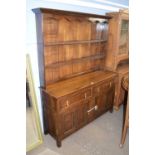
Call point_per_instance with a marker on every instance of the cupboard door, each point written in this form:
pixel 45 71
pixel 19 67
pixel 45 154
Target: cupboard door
pixel 124 37
pixel 68 122
pixel 110 98
pixel 104 101
pixel 100 102
pixel 81 115
pixel 73 118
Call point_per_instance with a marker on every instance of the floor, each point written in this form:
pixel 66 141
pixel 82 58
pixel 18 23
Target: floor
pixel 100 137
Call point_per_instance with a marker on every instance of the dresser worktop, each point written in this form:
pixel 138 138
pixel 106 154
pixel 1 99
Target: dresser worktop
pixel 68 86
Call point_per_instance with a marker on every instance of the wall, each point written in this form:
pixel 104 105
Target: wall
pixel 93 6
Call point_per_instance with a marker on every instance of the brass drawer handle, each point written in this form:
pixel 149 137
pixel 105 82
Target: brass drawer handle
pixel 85 95
pixel 91 83
pixel 94 108
pixel 67 103
pixel 110 84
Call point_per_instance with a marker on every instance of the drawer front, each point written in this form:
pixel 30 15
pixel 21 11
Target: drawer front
pixel 102 87
pixel 68 100
pixel 97 90
pixel 106 86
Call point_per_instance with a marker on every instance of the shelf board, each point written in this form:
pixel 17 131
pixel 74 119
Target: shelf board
pixel 123 69
pixel 74 42
pixel 57 64
pixel 123 57
pixel 124 29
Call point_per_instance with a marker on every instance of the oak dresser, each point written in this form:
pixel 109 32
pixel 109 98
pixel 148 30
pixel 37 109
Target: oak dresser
pixel 74 84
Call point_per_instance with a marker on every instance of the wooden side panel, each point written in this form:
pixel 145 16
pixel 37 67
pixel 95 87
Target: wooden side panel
pixel 40 47
pixel 49 108
pixel 112 46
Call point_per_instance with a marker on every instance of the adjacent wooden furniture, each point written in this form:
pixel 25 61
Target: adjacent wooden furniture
pixel 118 39
pixel 122 70
pixel 74 84
pixel 117 57
pixel 125 85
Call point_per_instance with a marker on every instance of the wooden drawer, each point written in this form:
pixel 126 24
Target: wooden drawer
pixel 66 101
pixel 108 85
pixel 100 88
pixel 97 90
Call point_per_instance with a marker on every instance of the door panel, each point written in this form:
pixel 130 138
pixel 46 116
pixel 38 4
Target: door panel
pixel 100 101
pixel 110 98
pixel 124 37
pixel 104 101
pixel 68 122
pixel 81 115
pixel 73 118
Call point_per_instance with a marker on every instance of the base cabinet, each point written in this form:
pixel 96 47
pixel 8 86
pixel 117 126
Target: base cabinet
pixel 70 112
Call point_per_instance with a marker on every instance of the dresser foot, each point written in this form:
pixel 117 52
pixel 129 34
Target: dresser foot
pixel 45 132
pixel 58 143
pixel 116 108
pixel 121 145
pixel 111 110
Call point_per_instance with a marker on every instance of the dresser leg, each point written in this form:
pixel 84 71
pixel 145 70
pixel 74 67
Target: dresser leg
pixel 111 110
pixel 45 123
pixel 116 108
pixel 58 143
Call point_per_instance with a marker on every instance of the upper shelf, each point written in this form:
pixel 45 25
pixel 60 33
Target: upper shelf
pixel 124 56
pixel 57 64
pixel 74 42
